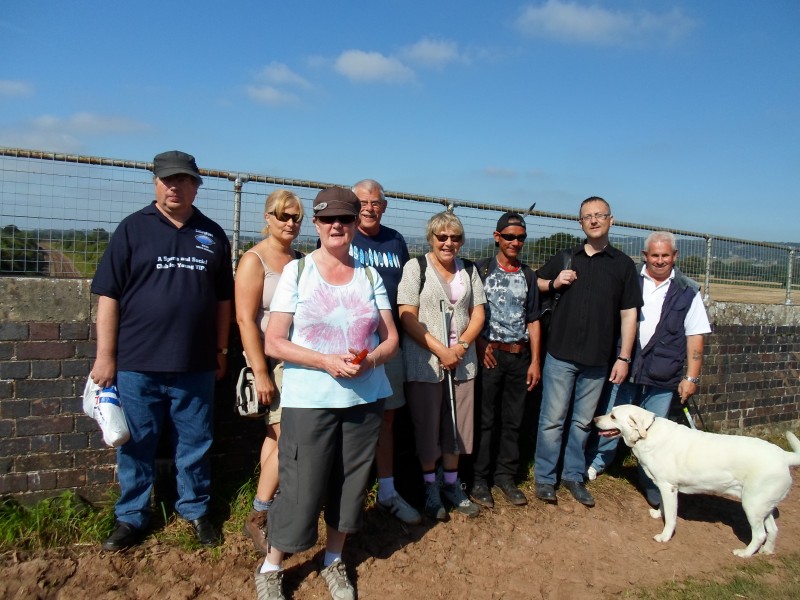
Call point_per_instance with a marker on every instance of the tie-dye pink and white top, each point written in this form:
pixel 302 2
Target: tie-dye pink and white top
pixel 330 319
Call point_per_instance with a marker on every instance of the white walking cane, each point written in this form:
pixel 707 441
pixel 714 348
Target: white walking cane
pixel 451 392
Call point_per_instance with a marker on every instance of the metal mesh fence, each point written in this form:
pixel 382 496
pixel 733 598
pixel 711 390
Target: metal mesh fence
pixel 57 213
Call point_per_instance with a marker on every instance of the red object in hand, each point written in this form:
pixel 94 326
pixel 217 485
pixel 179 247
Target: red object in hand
pixel 360 356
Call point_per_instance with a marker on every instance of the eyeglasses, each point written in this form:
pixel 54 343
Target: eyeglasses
pixel 456 239
pixel 373 204
pixel 510 237
pixel 597 216
pixel 343 219
pixel 286 216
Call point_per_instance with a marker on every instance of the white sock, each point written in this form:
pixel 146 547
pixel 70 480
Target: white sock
pixel 330 558
pixel 386 489
pixel 268 567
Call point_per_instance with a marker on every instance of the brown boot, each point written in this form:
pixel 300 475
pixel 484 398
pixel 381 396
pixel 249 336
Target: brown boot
pixel 255 527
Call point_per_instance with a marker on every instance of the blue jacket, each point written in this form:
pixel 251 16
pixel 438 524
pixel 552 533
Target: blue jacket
pixel 661 362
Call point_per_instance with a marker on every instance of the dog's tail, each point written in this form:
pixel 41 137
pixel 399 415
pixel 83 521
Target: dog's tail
pixel 794 456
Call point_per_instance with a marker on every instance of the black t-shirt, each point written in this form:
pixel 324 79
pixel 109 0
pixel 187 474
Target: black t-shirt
pixel 585 325
pixel 168 282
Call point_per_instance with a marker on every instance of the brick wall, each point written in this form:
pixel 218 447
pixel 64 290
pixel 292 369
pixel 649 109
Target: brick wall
pixel 47 444
pixel 749 383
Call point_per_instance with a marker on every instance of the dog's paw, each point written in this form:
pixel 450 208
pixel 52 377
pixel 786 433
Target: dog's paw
pixel 661 537
pixel 655 513
pixel 742 553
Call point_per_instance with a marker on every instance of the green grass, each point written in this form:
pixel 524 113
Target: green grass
pixel 755 579
pixel 56 522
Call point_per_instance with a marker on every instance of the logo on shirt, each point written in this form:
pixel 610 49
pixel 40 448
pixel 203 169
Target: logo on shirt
pixel 205 240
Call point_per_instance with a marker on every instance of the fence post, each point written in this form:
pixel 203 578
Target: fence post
pixel 238 182
pixel 789 277
pixel 708 268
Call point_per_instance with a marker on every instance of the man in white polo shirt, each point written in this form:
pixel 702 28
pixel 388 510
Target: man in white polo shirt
pixel 672 323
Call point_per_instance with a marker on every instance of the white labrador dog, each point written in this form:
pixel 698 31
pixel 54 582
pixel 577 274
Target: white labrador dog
pixel 679 459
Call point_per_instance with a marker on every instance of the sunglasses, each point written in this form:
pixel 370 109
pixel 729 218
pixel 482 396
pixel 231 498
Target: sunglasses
pixel 343 219
pixel 456 239
pixel 510 237
pixel 283 218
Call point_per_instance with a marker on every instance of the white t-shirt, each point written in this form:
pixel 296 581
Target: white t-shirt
pixel 331 319
pixel 695 322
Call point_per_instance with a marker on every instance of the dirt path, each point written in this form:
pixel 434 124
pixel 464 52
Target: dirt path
pixel 561 552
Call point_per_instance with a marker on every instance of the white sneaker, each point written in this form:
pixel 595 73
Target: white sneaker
pixel 591 473
pixel 402 510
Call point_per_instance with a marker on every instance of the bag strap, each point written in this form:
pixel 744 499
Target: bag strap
pixel 301 264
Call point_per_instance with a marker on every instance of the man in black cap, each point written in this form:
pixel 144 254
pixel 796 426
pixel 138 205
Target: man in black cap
pixel 509 351
pixel 164 289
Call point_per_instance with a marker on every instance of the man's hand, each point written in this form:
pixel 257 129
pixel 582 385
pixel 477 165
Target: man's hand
pixel 104 371
pixel 534 375
pixel 686 389
pixel 619 372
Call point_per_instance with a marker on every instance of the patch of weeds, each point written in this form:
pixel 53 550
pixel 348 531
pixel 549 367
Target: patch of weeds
pixel 758 578
pixel 56 522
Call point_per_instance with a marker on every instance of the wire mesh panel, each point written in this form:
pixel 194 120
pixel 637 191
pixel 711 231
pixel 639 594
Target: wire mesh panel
pixel 57 213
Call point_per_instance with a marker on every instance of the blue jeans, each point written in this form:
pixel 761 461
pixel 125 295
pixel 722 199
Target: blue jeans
pixel 656 400
pixel 149 399
pixel 565 385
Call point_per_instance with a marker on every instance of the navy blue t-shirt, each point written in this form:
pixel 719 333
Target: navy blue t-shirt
pixel 387 252
pixel 168 282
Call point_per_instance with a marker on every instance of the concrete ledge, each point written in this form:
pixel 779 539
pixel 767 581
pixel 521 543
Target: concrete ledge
pixel 36 299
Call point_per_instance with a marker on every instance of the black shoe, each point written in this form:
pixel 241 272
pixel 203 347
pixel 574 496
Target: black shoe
pixel 512 493
pixel 123 536
pixel 579 492
pixel 546 492
pixel 480 494
pixel 205 532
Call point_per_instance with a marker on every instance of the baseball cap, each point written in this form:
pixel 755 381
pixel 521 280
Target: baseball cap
pixel 336 201
pixel 175 162
pixel 508 219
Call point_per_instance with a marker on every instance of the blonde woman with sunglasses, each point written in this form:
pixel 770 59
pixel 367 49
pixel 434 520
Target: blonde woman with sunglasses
pixel 257 276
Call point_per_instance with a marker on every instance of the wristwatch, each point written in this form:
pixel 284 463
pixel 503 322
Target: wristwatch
pixel 464 344
pixel 623 359
pixel 223 351
pixel 694 380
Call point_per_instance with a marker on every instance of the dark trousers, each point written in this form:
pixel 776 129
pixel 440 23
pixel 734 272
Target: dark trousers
pixel 503 392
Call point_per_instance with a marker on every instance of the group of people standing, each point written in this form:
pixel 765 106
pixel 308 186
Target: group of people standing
pixel 322 334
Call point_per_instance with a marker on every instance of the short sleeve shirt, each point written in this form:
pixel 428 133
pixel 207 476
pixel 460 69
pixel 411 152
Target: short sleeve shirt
pixel 168 282
pixel 331 319
pixel 585 326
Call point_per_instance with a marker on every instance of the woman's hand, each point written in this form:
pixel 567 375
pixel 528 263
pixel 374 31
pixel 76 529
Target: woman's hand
pixel 450 357
pixel 341 365
pixel 265 388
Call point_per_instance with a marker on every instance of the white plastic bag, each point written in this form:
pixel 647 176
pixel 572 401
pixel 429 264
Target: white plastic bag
pixel 104 406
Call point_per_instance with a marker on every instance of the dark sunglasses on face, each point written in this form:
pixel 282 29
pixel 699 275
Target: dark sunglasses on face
pixel 510 237
pixel 284 217
pixel 456 239
pixel 343 219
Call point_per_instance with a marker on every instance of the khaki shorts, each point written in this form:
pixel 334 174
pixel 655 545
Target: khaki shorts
pixel 396 373
pixel 273 414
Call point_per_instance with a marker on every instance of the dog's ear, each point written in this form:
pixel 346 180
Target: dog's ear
pixel 641 423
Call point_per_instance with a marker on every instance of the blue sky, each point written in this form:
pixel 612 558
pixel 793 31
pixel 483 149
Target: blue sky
pixel 682 114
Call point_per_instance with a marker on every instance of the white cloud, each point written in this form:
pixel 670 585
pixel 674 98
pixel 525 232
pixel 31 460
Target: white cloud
pixel 67 134
pixel 592 24
pixel 432 53
pixel 361 66
pixel 279 74
pixel 267 94
pixel 10 88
